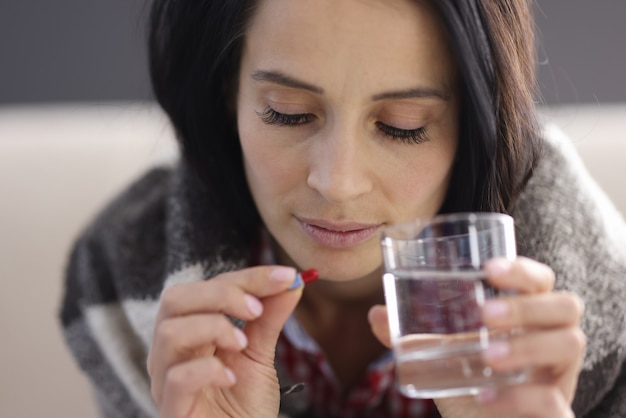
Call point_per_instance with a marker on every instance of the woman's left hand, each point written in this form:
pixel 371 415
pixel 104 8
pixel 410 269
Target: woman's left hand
pixel 552 345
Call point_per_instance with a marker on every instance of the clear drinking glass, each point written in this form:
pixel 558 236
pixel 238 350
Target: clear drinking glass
pixel 434 289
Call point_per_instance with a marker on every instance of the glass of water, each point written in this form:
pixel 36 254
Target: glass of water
pixel 434 289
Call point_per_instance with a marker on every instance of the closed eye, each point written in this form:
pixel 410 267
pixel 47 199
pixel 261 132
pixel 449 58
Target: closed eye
pixel 271 117
pixel 409 136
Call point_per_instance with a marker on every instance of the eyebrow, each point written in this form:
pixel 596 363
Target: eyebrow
pixel 287 81
pixel 284 80
pixel 413 93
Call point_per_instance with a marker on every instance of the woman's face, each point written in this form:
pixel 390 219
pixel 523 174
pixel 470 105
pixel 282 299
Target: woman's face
pixel 347 114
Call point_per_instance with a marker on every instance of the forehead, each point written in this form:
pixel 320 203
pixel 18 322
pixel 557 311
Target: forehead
pixel 318 38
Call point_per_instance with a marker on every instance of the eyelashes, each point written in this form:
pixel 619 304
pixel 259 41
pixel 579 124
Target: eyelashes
pixel 272 117
pixel 410 136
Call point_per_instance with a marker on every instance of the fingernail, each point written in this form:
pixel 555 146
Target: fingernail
pixel 241 338
pixel 297 282
pixel 497 350
pixel 487 395
pixel 230 375
pixel 254 305
pixel 304 277
pixel 498 267
pixel 495 308
pixel 283 274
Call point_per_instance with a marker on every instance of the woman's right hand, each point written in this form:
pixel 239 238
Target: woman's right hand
pixel 200 364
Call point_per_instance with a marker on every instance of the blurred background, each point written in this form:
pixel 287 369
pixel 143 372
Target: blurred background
pixel 88 50
pixel 77 122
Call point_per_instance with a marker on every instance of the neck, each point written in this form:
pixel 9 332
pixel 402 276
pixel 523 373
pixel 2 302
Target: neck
pixel 335 316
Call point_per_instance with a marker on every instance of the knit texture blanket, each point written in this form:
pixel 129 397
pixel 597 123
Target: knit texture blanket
pixel 161 231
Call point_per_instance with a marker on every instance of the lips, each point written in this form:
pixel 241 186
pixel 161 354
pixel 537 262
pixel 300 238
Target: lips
pixel 338 234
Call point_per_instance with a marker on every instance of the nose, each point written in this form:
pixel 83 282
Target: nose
pixel 341 166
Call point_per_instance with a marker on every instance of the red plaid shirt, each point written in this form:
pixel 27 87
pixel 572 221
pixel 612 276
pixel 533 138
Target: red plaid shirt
pixel 299 357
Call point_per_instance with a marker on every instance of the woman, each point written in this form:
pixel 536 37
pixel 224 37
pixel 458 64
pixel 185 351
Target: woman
pixel 306 128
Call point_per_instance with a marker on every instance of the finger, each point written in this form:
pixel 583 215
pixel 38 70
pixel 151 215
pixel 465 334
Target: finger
pixel 180 339
pixel 555 350
pixel 545 310
pixel 263 332
pixel 226 293
pixel 379 323
pixel 527 401
pixel 185 381
pixel 522 275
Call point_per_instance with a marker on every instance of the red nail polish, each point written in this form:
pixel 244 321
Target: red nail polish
pixel 309 276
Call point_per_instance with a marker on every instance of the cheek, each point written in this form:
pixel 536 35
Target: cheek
pixel 261 169
pixel 270 169
pixel 420 183
pixel 421 178
pixel 419 187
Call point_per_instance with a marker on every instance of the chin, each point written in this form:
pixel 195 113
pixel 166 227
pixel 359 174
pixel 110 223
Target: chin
pixel 345 267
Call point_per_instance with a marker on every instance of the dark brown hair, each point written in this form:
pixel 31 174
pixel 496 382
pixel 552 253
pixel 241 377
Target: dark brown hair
pixel 195 48
pixel 500 143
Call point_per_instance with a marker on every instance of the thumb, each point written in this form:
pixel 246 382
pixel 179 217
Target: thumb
pixel 379 323
pixel 263 332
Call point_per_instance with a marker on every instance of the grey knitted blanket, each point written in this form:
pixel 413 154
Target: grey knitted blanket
pixel 161 231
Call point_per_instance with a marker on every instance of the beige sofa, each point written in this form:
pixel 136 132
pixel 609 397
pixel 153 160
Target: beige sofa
pixel 59 164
